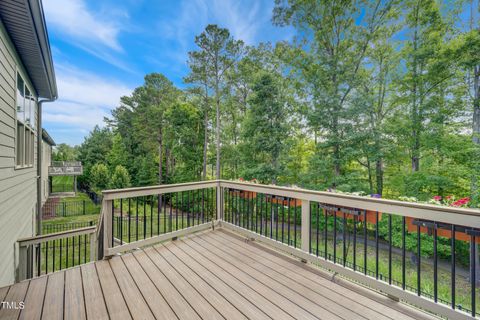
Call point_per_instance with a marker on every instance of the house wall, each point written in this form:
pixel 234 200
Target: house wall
pixel 17 186
pixel 46 161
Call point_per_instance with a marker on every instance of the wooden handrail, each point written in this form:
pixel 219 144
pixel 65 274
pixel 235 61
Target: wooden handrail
pixel 451 215
pixel 156 190
pixel 54 236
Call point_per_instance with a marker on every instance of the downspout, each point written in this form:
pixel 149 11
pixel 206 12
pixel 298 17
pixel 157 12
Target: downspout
pixel 39 164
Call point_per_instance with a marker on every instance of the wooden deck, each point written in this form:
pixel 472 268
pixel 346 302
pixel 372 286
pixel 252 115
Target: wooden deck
pixel 212 275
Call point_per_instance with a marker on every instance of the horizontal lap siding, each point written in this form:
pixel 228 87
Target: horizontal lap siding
pixel 17 187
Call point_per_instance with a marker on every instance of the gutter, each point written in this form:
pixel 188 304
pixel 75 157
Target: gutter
pixel 39 163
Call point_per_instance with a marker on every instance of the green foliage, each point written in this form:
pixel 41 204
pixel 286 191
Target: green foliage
pixel 120 178
pixel 99 177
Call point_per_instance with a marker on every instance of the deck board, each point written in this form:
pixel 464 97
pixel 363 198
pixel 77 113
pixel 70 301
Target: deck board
pixel 15 295
pixel 247 307
pixel 154 299
pixel 273 311
pixel 34 299
pixel 53 302
pixel 360 302
pixel 74 301
pixel 137 305
pixel 116 306
pixel 210 275
pixel 292 274
pixel 94 301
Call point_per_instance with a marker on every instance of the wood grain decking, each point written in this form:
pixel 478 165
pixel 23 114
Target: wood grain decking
pixel 212 275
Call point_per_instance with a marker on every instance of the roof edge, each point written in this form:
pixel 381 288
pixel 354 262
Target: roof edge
pixel 47 138
pixel 41 33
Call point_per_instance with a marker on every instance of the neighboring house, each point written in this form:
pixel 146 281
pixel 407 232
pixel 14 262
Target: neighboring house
pixel 27 80
pixel 47 148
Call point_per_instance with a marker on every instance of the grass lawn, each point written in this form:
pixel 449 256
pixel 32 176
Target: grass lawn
pixel 62 184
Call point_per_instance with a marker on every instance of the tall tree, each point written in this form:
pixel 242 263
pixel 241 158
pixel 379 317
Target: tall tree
pixel 333 38
pixel 265 128
pixel 218 52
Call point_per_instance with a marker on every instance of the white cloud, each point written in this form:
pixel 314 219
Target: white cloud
pixel 85 99
pixel 72 18
pixel 244 20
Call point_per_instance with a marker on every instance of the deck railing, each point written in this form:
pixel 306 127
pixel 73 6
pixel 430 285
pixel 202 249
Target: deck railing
pixel 141 216
pixel 399 248
pixel 56 251
pixel 422 254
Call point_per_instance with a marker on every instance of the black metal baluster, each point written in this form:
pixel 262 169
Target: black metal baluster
pixel 159 213
pixel 365 242
pixel 176 211
pixel 343 240
pixel 136 219
pixel 79 248
pixel 129 219
pixel 46 257
pixel 473 278
pixel 289 222
pixel 255 209
pixel 318 223
pixel 121 221
pixel 325 242
pixel 151 215
pixel 403 253
pixel 283 219
pixel 61 248
pixel 389 249
pixel 275 216
pixel 113 215
pixel 66 255
pixel 355 241
pixel 73 251
pixel 203 205
pixel 84 248
pixel 376 245
pixel 53 256
pixel 452 252
pixel 435 264
pixel 171 211
pixel 271 216
pixel 266 216
pixel 419 292
pixel 335 237
pixel 188 208
pixel 261 215
pixel 144 217
pixel 295 223
pixel 198 211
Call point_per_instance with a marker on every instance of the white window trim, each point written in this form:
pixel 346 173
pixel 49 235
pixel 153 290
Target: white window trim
pixel 27 128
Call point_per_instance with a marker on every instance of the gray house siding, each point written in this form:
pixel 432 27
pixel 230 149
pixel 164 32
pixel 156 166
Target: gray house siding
pixel 17 186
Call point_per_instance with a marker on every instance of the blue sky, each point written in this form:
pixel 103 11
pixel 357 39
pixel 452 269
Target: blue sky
pixel 102 49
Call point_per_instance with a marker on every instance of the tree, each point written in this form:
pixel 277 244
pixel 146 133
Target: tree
pixel 218 52
pixel 333 38
pixel 265 129
pixel 99 177
pixel 120 178
pixel 64 152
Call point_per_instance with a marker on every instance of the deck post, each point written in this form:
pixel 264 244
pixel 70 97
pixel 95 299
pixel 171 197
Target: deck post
pixel 306 225
pixel 107 226
pixel 93 246
pixel 22 263
pixel 219 202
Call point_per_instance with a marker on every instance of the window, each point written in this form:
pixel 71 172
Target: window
pixel 25 134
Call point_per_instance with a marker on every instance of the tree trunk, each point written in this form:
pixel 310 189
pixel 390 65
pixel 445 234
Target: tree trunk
pixel 205 144
pixel 379 175
pixel 415 108
pixel 167 163
pixel 217 98
pixel 160 155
